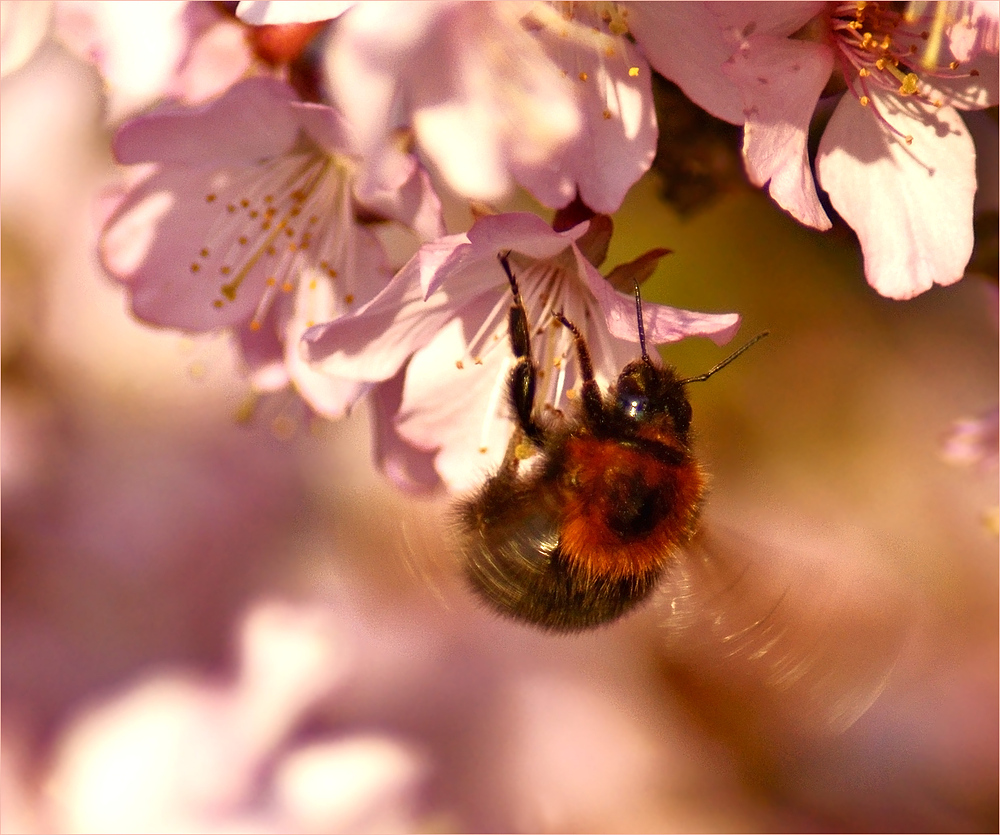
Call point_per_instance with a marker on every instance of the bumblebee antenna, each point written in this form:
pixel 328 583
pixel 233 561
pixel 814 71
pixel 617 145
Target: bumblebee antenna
pixel 702 377
pixel 642 329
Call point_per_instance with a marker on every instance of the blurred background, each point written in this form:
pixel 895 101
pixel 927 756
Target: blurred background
pixel 220 623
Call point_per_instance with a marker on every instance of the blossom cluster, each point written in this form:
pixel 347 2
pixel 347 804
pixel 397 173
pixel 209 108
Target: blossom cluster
pixel 285 158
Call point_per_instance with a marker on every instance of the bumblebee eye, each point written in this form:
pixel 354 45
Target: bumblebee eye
pixel 633 405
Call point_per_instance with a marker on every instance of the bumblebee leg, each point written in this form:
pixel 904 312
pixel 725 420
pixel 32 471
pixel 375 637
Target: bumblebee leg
pixel 592 404
pixel 521 383
pixel 511 457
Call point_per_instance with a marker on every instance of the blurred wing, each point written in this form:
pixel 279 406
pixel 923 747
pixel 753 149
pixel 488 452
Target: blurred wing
pixel 796 635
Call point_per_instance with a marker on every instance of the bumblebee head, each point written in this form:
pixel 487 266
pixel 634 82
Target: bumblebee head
pixel 646 393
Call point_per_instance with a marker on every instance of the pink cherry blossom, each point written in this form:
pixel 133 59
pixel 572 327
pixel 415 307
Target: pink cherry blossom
pixel 248 220
pixel 896 159
pixel 146 52
pixel 495 94
pixel 180 751
pixel 436 340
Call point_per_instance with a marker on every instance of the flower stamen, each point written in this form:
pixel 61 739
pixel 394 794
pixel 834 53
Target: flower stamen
pixel 880 45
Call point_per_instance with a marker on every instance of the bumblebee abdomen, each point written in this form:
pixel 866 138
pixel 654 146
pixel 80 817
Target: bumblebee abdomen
pixel 515 561
pixel 585 541
pixel 626 508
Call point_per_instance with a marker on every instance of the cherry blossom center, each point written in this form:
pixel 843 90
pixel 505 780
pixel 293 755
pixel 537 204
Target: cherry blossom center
pixel 884 46
pixel 286 218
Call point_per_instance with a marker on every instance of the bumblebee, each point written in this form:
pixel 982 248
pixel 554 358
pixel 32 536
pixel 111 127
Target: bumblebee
pixel 585 531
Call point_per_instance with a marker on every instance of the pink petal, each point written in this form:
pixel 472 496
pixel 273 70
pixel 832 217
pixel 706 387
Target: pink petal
pixel 764 17
pixel 325 126
pixel 137 47
pixel 453 410
pixel 479 135
pixel 266 12
pixel 965 90
pixel 414 203
pixel 521 232
pixel 780 82
pixel 617 140
pixel 661 323
pixel 406 195
pixel 690 42
pixel 263 353
pixel 910 205
pixel 23 27
pixel 408 466
pixel 685 43
pixel 252 120
pixel 525 232
pixel 444 64
pixel 197 245
pixel 978 31
pixel 218 56
pixel 317 299
pixel 150 244
pixel 374 343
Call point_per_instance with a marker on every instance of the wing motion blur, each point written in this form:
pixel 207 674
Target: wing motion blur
pixel 791 635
